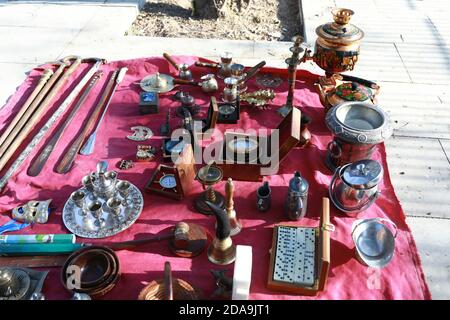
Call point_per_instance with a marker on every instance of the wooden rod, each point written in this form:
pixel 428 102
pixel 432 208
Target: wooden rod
pixel 45 76
pixel 66 162
pixel 40 161
pixel 29 112
pixel 207 65
pixel 22 135
pixel 171 61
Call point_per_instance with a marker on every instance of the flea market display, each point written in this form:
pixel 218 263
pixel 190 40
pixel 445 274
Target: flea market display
pixel 207 180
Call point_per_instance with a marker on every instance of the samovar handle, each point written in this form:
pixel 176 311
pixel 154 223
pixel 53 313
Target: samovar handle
pixel 330 146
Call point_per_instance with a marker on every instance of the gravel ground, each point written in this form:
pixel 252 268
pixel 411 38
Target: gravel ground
pixel 271 20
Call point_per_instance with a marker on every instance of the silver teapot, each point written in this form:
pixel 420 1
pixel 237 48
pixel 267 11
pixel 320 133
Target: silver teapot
pixel 297 197
pixel 354 186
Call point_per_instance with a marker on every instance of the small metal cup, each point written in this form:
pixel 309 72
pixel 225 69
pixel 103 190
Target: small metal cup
pixel 124 187
pixel 114 206
pixel 95 208
pixel 79 198
pixel 230 91
pixel 263 197
pixel 88 183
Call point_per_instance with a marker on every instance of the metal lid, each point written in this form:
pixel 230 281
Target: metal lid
pixel 363 174
pixel 340 29
pixel 298 184
pixel 353 91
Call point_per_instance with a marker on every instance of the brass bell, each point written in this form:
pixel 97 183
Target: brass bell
pixel 222 251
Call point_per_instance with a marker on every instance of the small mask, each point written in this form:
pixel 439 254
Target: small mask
pixel 32 212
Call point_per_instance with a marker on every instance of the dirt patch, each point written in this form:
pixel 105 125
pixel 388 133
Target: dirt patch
pixel 271 20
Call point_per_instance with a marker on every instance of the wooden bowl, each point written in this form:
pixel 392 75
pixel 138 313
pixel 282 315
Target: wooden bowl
pixel 99 267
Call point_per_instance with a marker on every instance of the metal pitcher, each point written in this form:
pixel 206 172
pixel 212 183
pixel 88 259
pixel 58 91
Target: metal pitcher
pixel 297 197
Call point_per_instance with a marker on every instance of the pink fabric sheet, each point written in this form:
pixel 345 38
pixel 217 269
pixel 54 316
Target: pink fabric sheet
pixel 403 278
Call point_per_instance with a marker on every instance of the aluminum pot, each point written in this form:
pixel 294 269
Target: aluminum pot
pixel 374 241
pixel 354 186
pixel 357 128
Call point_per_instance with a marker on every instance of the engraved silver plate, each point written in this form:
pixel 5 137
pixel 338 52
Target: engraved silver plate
pixel 84 225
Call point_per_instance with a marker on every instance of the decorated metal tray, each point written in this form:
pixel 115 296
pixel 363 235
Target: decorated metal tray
pixel 104 206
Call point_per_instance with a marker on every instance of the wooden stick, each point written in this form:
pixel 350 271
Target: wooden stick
pixel 49 123
pixel 66 162
pixel 252 71
pixel 207 65
pixel 30 110
pixel 229 192
pixel 40 161
pixel 42 81
pixel 171 61
pixel 37 114
pixel 168 282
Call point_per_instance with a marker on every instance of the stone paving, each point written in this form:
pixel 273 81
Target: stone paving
pixel 406 49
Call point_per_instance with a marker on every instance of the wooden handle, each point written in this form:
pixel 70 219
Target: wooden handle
pixel 42 81
pixel 229 192
pixel 126 245
pixel 168 282
pixel 171 61
pixel 37 115
pixel 66 162
pixel 186 82
pixel 207 65
pixel 325 210
pixel 40 161
pixel 253 71
pixel 33 107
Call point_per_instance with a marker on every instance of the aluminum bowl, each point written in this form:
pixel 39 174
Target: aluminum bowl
pixel 374 241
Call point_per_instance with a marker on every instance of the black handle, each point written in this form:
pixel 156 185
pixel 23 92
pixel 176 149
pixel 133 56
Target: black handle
pixel 364 82
pixel 223 228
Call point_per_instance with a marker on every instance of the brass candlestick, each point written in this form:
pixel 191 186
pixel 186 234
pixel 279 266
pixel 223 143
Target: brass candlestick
pixel 292 63
pixel 229 207
pixel 208 176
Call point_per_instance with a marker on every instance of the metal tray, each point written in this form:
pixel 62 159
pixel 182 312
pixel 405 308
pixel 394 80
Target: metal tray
pixel 84 226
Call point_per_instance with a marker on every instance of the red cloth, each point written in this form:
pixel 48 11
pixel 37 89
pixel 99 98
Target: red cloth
pixel 403 278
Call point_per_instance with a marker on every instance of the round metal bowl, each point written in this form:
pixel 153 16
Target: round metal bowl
pixel 374 242
pixel 359 123
pixel 360 117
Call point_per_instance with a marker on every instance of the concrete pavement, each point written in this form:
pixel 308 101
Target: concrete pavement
pixel 406 49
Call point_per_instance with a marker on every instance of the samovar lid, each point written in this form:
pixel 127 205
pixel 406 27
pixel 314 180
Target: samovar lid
pixel 353 91
pixel 340 29
pixel 363 174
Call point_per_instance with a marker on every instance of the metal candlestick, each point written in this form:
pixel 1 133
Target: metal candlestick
pixel 292 63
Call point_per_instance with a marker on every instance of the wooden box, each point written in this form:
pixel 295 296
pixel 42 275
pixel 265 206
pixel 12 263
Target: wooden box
pixel 289 137
pixel 183 171
pixel 322 258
